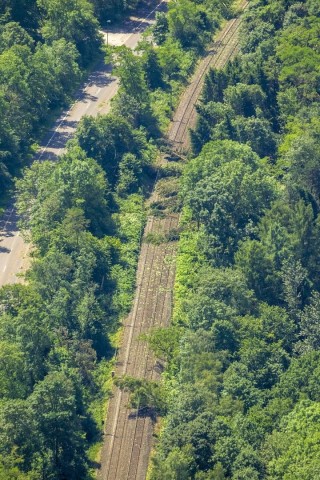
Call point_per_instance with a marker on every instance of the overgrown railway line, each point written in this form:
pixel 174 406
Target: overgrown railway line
pixel 128 434
pixel 225 47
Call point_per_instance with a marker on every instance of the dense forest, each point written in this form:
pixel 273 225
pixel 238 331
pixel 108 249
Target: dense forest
pixel 242 374
pixel 241 389
pixel 44 47
pixel 84 215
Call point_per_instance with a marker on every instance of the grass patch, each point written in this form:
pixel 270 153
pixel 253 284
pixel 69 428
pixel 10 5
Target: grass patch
pixel 130 221
pixel 159 238
pixel 154 238
pixel 99 405
pixel 170 169
pixel 168 187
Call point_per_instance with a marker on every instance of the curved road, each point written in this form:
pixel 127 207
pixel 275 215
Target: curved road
pixel 92 99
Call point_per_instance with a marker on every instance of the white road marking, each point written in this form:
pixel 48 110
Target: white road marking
pixel 14 242
pixel 146 18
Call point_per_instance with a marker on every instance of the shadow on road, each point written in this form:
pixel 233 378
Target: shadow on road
pixel 7 234
pixel 8 228
pixel 8 224
pixel 101 78
pixel 135 23
pixel 60 139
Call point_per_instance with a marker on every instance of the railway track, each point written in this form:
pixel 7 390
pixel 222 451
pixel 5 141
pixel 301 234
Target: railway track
pixel 225 48
pixel 128 433
pixel 135 434
pixel 151 308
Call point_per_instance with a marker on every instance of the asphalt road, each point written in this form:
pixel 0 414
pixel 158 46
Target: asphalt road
pixel 92 99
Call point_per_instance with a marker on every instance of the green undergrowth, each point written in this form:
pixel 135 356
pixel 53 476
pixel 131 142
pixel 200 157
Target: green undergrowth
pixel 157 238
pixel 130 221
pixel 243 398
pixel 99 406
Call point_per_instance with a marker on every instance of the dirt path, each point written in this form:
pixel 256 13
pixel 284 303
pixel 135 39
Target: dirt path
pixel 128 435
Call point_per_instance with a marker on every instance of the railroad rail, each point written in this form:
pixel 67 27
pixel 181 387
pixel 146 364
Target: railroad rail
pixel 225 48
pixel 129 432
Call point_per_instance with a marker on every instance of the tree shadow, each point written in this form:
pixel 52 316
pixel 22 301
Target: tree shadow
pixel 134 24
pixel 158 367
pixel 144 412
pixel 101 77
pixel 8 232
pixel 8 224
pixel 95 465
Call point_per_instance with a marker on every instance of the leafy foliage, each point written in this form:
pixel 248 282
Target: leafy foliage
pixel 43 46
pixel 244 396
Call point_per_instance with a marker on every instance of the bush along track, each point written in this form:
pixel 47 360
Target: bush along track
pixel 84 215
pixel 135 406
pixel 243 401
